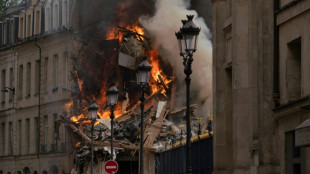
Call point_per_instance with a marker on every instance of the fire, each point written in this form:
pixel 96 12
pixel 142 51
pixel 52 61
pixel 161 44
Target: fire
pixel 112 34
pixel 156 73
pixel 80 82
pixel 68 106
pixel 157 79
pixel 115 34
pixel 78 144
pixel 78 118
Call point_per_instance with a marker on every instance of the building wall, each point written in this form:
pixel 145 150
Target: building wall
pixel 39 99
pixel 251 129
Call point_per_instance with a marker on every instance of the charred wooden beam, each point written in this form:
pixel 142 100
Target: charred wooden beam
pixel 162 83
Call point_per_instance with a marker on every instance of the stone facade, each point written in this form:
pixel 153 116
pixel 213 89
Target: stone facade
pixel 260 87
pixel 35 66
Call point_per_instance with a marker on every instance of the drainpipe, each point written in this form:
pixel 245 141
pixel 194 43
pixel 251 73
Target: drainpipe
pixel 276 81
pixel 39 99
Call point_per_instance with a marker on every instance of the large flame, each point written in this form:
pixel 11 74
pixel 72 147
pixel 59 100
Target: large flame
pixel 114 33
pixel 157 79
pixel 157 73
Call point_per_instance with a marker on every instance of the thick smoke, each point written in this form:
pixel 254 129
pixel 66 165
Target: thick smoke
pixel 161 27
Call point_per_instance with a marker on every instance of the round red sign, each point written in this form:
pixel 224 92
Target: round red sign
pixel 111 167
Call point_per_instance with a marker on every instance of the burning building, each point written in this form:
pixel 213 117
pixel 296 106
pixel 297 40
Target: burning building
pixel 60 56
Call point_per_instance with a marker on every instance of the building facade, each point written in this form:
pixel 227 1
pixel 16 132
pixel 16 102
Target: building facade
pixel 261 90
pixel 36 43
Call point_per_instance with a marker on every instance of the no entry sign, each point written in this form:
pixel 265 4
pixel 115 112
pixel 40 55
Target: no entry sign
pixel 111 167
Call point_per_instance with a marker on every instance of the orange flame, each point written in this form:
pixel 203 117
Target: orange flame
pixel 156 72
pixel 68 106
pixel 115 34
pixel 80 82
pixel 78 144
pixel 101 100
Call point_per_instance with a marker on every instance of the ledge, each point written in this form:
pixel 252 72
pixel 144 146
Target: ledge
pixel 292 107
pixel 291 10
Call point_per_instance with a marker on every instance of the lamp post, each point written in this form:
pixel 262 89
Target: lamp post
pixel 187 40
pixel 92 115
pixel 112 101
pixel 143 77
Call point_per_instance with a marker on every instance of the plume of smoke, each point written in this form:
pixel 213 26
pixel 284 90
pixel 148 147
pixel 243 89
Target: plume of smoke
pixel 161 27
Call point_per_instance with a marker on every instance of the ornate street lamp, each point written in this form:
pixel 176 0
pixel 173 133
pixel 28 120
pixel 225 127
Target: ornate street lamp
pixel 112 101
pixel 143 77
pixel 187 39
pixel 92 115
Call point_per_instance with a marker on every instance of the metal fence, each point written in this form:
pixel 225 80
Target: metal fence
pixel 173 161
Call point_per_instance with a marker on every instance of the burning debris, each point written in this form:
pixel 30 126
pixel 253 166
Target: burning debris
pixel 102 63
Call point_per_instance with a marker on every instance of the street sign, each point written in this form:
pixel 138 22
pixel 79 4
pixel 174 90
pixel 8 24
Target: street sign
pixel 111 167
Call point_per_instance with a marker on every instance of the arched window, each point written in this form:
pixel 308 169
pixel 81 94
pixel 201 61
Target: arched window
pixel 54 169
pixel 35 172
pixel 1 172
pixel 56 17
pixel 26 170
pixel 9 172
pixel 19 172
pixel 44 172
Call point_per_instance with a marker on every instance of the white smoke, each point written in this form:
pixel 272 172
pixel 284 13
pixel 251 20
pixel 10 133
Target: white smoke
pixel 162 27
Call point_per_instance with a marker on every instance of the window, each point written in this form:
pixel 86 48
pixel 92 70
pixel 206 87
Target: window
pixel 28 135
pixel 21 28
pixel 66 69
pixel 56 17
pixel 5 33
pixel 29 26
pixel 3 86
pixel 293 70
pixel 11 84
pixel 20 82
pixel 65 14
pixel 56 133
pixel 45 74
pixel 228 45
pixel 55 73
pixel 20 136
pixel 36 123
pixel 48 20
pixel 37 22
pixel 37 77
pixel 64 133
pixel 28 79
pixel 46 131
pixel 3 138
pixel 292 154
pixel 10 141
pixel 12 32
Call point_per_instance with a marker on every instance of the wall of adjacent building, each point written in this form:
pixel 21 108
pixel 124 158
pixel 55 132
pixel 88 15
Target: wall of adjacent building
pixel 253 132
pixel 38 102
